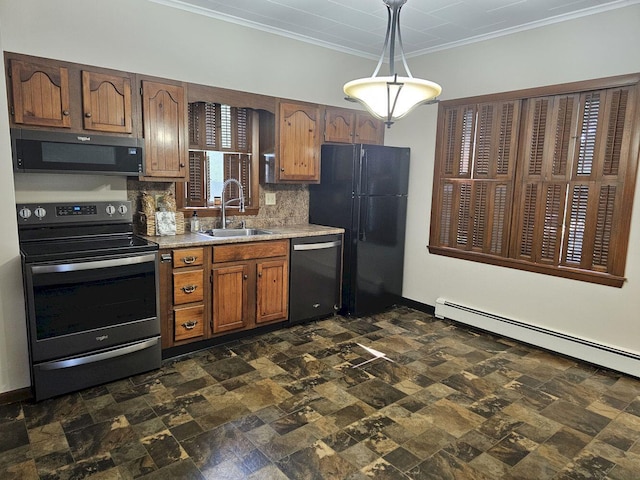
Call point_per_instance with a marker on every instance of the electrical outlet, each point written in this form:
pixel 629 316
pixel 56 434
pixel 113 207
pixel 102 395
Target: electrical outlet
pixel 270 198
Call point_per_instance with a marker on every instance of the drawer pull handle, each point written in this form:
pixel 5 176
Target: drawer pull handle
pixel 189 288
pixel 190 325
pixel 189 260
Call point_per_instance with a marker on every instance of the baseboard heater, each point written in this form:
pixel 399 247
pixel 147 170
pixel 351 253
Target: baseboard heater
pixel 586 350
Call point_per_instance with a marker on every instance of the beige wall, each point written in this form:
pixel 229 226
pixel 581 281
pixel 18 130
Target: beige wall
pixel 14 371
pixel 145 37
pixel 591 47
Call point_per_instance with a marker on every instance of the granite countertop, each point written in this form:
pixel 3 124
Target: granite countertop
pixel 202 239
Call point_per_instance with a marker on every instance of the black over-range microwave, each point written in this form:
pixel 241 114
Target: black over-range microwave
pixel 64 152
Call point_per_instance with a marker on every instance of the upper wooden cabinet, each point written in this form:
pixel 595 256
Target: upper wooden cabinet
pixel 106 102
pixel 40 94
pixel 298 140
pixel 53 94
pixel 342 125
pixel 164 113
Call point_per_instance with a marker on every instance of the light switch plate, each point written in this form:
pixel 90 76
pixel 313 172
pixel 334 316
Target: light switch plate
pixel 270 198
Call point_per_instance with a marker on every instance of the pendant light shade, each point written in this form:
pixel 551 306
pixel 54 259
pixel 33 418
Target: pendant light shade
pixel 392 97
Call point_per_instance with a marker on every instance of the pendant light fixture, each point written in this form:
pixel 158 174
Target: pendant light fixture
pixel 393 96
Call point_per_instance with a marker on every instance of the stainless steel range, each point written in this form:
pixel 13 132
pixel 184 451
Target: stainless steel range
pixel 91 292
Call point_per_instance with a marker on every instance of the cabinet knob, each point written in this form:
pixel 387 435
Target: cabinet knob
pixel 260 274
pixel 190 325
pixel 189 260
pixel 282 169
pixel 189 288
pixel 65 113
pixel 88 114
pixel 182 165
pixel 245 276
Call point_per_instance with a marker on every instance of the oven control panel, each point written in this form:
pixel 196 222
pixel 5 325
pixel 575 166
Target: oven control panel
pixel 79 212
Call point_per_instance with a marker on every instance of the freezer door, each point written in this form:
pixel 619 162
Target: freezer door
pixel 379 254
pixel 384 170
pixel 331 201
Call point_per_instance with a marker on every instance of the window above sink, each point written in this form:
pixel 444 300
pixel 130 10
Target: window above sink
pixel 223 140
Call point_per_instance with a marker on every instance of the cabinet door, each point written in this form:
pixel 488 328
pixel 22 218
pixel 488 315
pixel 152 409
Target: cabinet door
pixel 230 297
pixel 163 114
pixel 272 291
pixel 300 129
pixel 339 125
pixel 40 94
pixel 106 102
pixel 369 130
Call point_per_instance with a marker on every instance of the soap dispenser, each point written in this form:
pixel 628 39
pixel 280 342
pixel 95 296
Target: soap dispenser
pixel 195 222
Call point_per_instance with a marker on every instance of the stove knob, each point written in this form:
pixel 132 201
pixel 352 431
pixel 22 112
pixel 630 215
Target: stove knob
pixel 40 212
pixel 24 213
pixel 122 209
pixel 111 209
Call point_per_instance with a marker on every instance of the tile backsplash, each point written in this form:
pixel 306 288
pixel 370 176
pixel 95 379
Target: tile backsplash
pixel 291 208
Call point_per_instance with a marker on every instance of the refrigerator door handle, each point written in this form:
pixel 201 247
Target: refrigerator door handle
pixel 364 181
pixel 362 223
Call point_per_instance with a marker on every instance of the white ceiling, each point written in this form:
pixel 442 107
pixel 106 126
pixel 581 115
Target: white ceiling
pixel 358 26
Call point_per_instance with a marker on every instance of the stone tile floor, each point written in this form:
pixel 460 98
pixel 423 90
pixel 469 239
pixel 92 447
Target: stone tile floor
pixel 452 404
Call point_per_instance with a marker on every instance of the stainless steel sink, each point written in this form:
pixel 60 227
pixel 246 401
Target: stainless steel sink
pixel 236 232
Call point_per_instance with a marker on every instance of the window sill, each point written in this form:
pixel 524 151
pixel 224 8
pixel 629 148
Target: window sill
pixel 563 271
pixel 215 211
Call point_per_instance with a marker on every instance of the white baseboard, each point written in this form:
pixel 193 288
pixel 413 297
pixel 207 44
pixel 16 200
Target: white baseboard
pixel 587 350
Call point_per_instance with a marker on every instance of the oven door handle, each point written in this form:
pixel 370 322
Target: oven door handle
pixel 93 265
pixel 97 357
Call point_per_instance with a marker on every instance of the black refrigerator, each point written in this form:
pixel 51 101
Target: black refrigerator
pixel 363 189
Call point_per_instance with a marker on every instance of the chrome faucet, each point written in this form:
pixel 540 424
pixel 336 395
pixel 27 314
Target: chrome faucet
pixel 224 202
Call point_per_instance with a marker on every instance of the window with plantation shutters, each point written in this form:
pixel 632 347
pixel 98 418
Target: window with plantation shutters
pixel 542 182
pixel 475 178
pixel 220 149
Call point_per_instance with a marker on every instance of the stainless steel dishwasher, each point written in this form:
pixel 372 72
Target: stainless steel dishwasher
pixel 316 277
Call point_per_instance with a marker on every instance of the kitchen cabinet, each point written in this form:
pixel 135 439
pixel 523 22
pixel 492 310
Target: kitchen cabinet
pixel 250 284
pixel 164 116
pixel 295 155
pixel 106 102
pixel 211 291
pixel 342 125
pixel 53 94
pixel 40 94
pixel 183 295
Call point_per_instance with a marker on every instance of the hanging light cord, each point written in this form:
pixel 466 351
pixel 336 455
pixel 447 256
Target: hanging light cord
pixel 393 30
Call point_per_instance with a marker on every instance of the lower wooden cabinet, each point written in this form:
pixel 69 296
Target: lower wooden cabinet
pixel 272 290
pixel 188 323
pixel 230 297
pixel 209 291
pixel 183 296
pixel 250 284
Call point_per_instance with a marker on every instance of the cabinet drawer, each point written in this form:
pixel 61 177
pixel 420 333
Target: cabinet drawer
pixel 247 251
pixel 187 257
pixel 188 323
pixel 188 286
